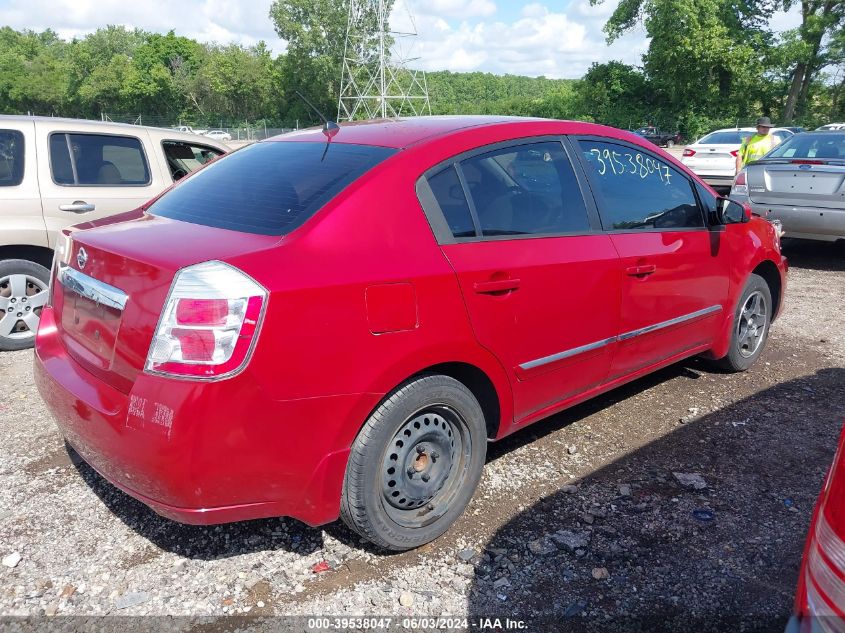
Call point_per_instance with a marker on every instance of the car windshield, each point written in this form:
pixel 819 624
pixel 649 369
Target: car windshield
pixel 268 188
pixel 827 145
pixel 730 137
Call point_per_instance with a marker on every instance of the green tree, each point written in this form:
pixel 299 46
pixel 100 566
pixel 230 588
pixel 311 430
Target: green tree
pixel 813 45
pixel 315 31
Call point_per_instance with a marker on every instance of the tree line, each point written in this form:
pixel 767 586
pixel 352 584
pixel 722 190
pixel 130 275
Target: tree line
pixel 710 63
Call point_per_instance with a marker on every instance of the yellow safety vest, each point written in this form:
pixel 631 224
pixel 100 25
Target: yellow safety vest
pixel 753 147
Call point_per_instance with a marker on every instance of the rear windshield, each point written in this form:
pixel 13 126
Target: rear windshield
pixel 725 138
pixel 268 188
pixel 827 145
pixel 11 158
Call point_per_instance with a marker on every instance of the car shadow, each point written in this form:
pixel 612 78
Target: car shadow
pixel 823 256
pixel 202 542
pixel 233 539
pixel 638 548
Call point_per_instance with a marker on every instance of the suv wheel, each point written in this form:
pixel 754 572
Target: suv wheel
pixel 23 293
pixel 415 464
pixel 751 325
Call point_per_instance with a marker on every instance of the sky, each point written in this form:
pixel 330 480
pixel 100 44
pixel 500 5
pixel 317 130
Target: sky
pixel 559 39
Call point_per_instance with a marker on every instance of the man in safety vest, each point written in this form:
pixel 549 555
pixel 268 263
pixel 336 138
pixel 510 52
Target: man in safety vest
pixel 753 147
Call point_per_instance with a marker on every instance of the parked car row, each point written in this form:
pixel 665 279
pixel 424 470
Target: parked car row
pixel 57 172
pixel 218 135
pixel 345 320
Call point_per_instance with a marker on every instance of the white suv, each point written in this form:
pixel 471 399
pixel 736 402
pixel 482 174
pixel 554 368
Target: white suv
pixel 58 172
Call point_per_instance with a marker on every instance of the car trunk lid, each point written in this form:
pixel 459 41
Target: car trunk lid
pixel 799 182
pixel 109 293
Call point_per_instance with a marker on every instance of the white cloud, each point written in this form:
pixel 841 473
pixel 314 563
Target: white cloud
pixel 538 41
pixel 206 20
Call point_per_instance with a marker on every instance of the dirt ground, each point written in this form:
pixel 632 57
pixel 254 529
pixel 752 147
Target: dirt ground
pixel 581 522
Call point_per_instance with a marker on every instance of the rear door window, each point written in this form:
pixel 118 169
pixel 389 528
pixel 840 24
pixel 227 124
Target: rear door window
pixel 637 191
pixel 183 158
pixel 97 160
pixel 528 189
pixel 268 188
pixel 11 158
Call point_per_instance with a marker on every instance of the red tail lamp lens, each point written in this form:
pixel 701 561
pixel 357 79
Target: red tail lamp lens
pixel 202 311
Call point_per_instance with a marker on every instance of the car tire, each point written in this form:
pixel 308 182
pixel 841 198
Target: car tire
pixel 750 328
pixel 25 279
pixel 670 143
pixel 415 464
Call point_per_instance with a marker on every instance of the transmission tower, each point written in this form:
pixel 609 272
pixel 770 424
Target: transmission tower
pixel 376 81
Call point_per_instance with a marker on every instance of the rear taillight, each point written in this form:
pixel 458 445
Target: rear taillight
pixel 823 585
pixel 209 324
pixel 689 152
pixel 740 186
pixel 803 161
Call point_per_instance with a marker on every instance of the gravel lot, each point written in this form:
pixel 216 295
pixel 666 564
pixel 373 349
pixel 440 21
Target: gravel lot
pixel 682 497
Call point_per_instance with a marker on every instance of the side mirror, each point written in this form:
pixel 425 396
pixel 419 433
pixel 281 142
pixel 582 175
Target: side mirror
pixel 731 212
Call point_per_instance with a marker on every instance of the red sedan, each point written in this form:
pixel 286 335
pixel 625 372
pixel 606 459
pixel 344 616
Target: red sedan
pixel 335 324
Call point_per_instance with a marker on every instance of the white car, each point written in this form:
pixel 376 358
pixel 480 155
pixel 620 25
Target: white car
pixel 831 126
pixel 713 157
pixel 218 135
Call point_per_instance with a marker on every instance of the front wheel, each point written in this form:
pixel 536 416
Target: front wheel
pixel 23 293
pixel 415 464
pixel 752 319
pixel 670 143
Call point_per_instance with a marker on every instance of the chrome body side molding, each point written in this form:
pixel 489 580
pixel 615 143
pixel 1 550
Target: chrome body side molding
pixel 539 362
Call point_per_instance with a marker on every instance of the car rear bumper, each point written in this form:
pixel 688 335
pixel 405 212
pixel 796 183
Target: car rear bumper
pixel 203 453
pixel 810 223
pixel 719 181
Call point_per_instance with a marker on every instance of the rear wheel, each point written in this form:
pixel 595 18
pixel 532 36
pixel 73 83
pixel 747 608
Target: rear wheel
pixel 23 293
pixel 670 143
pixel 751 325
pixel 415 464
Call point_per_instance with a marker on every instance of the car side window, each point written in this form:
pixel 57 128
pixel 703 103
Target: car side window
pixel 11 158
pixel 98 159
pixel 525 190
pixel 638 191
pixel 449 194
pixel 183 158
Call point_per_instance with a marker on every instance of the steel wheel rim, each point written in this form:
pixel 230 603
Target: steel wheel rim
pixel 434 443
pixel 751 325
pixel 22 297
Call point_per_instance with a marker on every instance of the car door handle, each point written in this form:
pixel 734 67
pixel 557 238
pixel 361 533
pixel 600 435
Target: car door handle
pixel 499 285
pixel 78 206
pixel 640 271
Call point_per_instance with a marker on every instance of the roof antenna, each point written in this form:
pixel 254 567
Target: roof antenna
pixel 330 128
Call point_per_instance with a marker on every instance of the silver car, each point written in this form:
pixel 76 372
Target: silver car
pixel 801 183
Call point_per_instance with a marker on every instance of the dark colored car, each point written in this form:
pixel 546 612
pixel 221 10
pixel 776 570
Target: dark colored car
pixel 323 327
pixel 659 137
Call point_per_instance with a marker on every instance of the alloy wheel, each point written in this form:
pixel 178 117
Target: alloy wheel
pixel 752 323
pixel 21 299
